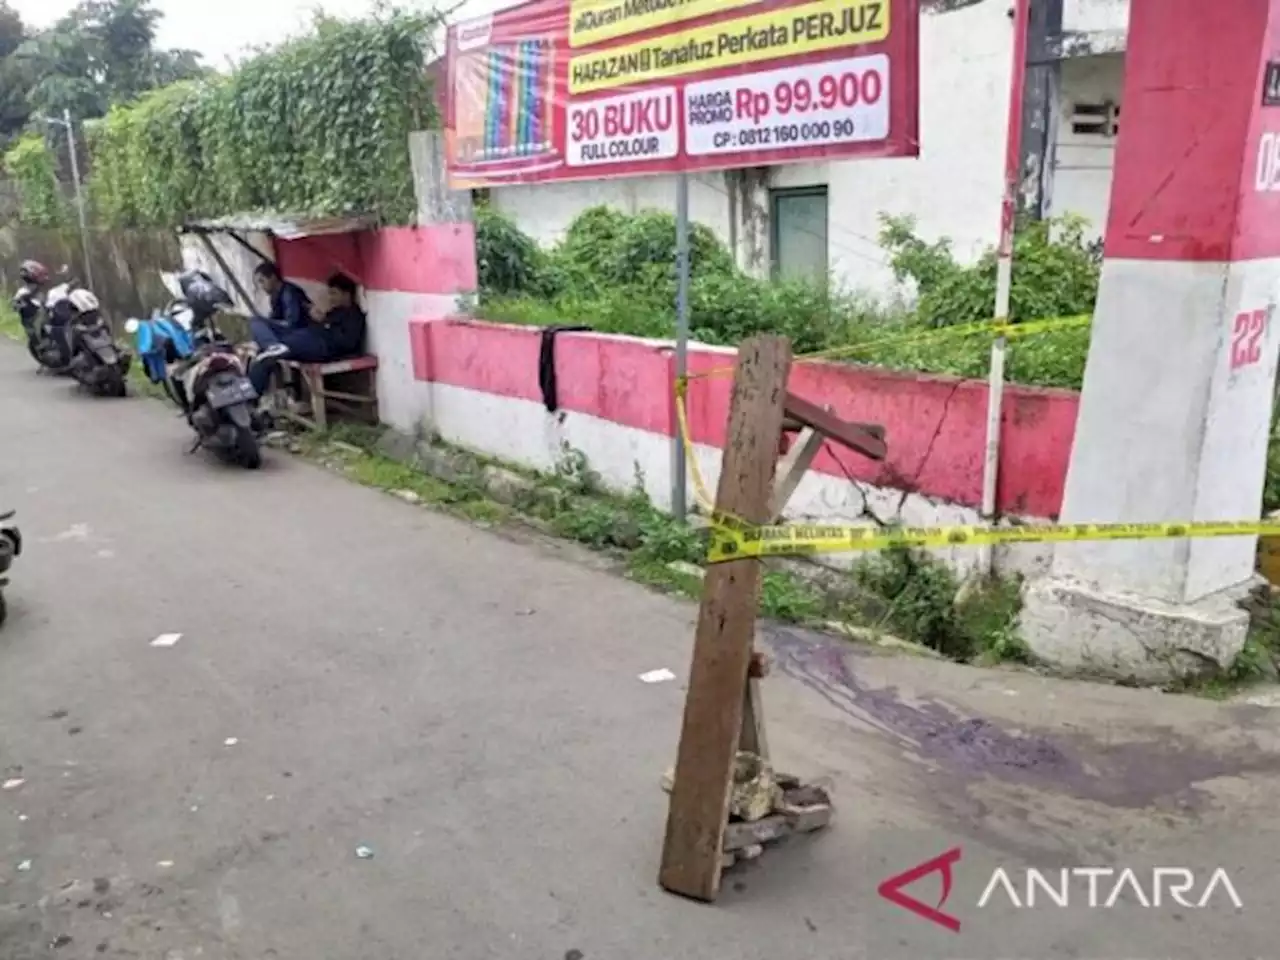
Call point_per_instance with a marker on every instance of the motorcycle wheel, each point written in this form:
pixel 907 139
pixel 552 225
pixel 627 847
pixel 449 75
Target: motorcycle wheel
pixel 248 453
pixel 117 387
pixel 4 609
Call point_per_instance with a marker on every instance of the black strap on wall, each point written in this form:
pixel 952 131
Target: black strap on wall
pixel 547 363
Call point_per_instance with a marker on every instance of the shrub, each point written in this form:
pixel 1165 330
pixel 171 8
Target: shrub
pixel 923 604
pixel 645 248
pixel 1271 492
pixel 616 273
pixel 34 170
pixel 508 260
pixel 587 252
pixel 1055 273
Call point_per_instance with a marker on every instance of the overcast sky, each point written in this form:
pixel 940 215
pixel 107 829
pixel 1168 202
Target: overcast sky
pixel 220 29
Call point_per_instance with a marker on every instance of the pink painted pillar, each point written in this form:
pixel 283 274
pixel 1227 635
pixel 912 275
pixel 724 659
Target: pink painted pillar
pixel 1177 394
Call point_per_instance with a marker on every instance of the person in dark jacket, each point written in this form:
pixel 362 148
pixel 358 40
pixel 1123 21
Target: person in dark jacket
pixel 334 335
pixel 290 305
pixel 344 323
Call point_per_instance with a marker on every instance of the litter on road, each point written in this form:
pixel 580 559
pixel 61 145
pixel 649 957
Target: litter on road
pixel 657 676
pixel 166 640
pixel 14 784
pixel 230 742
pixel 364 853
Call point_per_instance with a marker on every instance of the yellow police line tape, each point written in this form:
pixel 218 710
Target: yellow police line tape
pixel 735 539
pixel 732 539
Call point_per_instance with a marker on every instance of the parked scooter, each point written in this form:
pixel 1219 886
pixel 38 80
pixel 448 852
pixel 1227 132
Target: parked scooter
pixel 183 350
pixel 28 302
pixel 96 362
pixel 49 337
pixel 10 547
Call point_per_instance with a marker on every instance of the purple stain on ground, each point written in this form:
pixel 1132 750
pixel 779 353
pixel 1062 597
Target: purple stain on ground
pixel 1122 775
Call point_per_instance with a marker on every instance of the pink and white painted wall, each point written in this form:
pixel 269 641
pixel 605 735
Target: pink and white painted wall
pixel 476 384
pixel 479 387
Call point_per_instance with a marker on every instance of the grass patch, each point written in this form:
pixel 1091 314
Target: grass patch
pixel 1258 659
pixel 10 325
pixel 924 603
pixel 351 449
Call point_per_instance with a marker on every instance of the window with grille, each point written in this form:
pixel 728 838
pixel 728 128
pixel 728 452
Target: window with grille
pixel 1095 119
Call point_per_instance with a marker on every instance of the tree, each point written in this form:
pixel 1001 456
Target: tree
pixel 100 54
pixel 15 78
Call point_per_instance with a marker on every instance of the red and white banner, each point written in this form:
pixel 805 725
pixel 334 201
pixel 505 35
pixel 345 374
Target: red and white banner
pixel 586 89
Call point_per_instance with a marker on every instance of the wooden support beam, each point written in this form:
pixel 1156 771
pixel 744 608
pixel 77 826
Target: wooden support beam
pixel 713 710
pixel 792 469
pixel 230 274
pixel 867 439
pixel 753 739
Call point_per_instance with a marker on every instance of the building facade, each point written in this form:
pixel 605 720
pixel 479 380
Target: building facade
pixel 823 218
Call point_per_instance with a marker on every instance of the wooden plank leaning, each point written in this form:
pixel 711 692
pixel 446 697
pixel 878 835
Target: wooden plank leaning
pixel 722 649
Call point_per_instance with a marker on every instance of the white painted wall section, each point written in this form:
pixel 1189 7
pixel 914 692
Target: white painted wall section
pixel 1084 163
pixel 523 432
pixel 403 402
pixel 1198 453
pixel 1095 15
pixel 953 188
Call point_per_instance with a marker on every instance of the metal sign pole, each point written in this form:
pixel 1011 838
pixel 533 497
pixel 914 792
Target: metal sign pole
pixel 1004 275
pixel 80 207
pixel 679 506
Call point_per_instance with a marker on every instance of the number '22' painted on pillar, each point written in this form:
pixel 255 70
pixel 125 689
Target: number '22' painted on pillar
pixel 1246 338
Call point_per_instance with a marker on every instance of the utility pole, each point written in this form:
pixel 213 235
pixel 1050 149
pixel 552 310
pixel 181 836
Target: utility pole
pixel 81 212
pixel 679 495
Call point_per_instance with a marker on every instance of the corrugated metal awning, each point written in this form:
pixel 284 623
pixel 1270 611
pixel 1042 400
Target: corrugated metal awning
pixel 284 226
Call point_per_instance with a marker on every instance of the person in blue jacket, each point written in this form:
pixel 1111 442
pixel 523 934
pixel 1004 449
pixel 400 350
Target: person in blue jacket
pixel 290 305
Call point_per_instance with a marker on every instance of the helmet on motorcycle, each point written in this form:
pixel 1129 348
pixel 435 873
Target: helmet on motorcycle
pixel 199 290
pixel 84 301
pixel 33 271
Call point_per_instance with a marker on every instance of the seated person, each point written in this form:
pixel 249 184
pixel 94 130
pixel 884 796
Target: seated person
pixel 335 335
pixel 290 305
pixel 344 323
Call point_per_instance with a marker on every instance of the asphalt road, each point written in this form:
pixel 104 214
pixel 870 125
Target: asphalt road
pixel 355 672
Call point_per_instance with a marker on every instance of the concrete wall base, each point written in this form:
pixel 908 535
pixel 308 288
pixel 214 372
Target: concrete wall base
pixel 1080 630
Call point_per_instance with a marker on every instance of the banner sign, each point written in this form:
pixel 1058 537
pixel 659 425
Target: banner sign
pixel 587 89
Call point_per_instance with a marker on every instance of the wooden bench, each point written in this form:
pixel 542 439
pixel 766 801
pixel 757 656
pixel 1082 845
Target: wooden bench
pixel 354 393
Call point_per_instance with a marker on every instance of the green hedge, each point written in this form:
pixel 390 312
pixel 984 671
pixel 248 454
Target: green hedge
pixel 34 170
pixel 616 273
pixel 317 126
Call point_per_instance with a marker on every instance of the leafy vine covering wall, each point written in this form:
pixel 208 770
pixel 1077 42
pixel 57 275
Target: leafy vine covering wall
pixel 318 126
pixel 34 169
